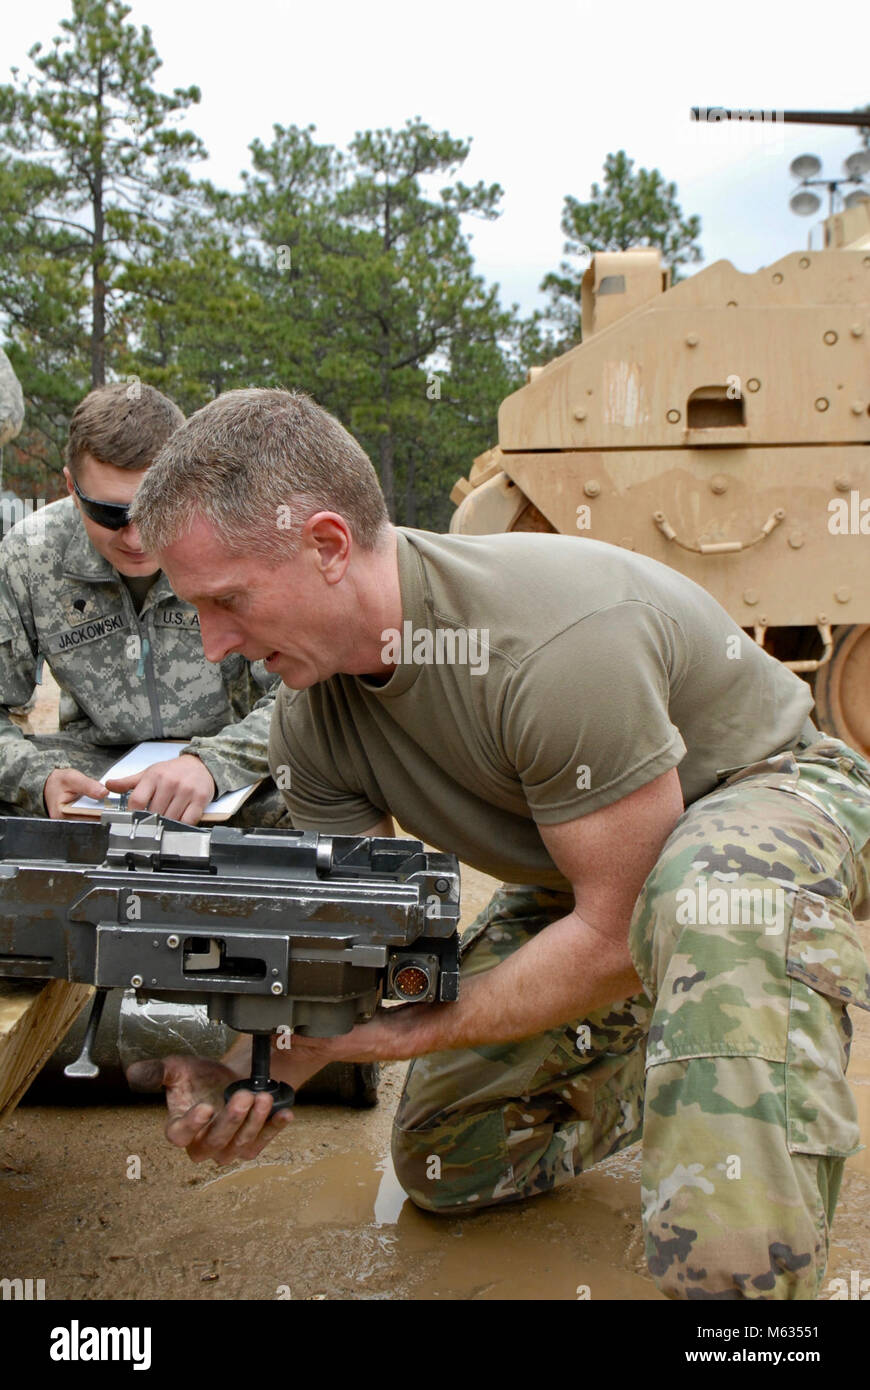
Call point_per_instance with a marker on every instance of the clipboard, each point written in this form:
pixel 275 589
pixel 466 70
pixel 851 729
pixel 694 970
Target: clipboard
pixel 142 756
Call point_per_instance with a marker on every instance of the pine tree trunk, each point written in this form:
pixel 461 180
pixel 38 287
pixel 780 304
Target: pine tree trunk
pixel 388 486
pixel 386 444
pixel 410 494
pixel 98 293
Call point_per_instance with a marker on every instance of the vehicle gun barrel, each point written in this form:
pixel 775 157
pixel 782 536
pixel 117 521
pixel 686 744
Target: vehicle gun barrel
pixel 859 119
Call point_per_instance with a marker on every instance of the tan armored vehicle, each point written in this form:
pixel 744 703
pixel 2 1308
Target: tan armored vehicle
pixel 721 426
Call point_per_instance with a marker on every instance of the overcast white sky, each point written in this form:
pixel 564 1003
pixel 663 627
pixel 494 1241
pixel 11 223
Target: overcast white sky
pixel 544 90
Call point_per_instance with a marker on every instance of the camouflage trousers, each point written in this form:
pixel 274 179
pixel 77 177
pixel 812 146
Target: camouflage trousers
pixel 264 807
pixel 730 1067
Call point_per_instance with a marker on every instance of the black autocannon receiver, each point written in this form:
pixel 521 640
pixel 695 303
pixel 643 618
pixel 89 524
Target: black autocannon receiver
pixel 272 929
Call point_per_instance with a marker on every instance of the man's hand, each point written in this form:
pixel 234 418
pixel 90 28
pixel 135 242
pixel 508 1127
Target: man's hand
pixel 66 784
pixel 180 788
pixel 198 1119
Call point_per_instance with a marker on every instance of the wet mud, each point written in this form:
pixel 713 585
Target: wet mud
pixel 94 1201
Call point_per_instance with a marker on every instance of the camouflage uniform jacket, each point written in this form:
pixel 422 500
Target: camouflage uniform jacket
pixel 124 677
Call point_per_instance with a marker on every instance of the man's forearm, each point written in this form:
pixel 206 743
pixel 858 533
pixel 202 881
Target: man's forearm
pixel 24 768
pixel 564 973
pixel 238 753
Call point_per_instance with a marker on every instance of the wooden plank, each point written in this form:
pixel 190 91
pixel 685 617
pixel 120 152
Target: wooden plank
pixel 33 1019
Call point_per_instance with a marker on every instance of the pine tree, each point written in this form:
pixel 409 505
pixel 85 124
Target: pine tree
pixel 95 166
pixel 632 209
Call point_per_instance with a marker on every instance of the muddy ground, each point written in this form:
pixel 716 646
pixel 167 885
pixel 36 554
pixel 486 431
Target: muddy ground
pixel 320 1215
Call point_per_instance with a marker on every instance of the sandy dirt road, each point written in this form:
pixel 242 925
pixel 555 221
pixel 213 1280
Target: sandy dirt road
pixel 320 1215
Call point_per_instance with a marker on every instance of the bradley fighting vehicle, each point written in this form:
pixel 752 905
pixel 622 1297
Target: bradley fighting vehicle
pixel 721 426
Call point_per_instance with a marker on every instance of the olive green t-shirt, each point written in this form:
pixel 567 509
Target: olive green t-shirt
pixel 138 586
pixel 540 678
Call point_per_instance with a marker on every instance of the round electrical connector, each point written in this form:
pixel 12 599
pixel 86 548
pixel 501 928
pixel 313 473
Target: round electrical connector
pixel 411 981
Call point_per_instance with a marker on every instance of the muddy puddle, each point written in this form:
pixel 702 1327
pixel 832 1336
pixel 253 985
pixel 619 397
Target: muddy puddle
pixel 319 1216
pixel 490 1256
pixel 95 1202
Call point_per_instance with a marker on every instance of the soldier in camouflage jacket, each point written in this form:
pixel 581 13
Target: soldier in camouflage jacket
pixel 125 675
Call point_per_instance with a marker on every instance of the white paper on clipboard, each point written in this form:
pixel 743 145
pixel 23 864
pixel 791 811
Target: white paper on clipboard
pixel 142 756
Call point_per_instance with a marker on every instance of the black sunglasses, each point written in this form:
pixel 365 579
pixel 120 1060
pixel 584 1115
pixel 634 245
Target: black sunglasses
pixel 113 515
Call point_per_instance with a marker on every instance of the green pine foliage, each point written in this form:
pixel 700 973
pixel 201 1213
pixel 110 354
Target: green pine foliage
pixel 344 273
pixel 631 209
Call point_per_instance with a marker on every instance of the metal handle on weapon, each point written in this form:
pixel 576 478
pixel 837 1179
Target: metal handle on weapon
pixel 83 1066
pixel 282 1095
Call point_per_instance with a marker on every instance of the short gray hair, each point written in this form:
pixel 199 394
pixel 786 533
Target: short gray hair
pixel 255 464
